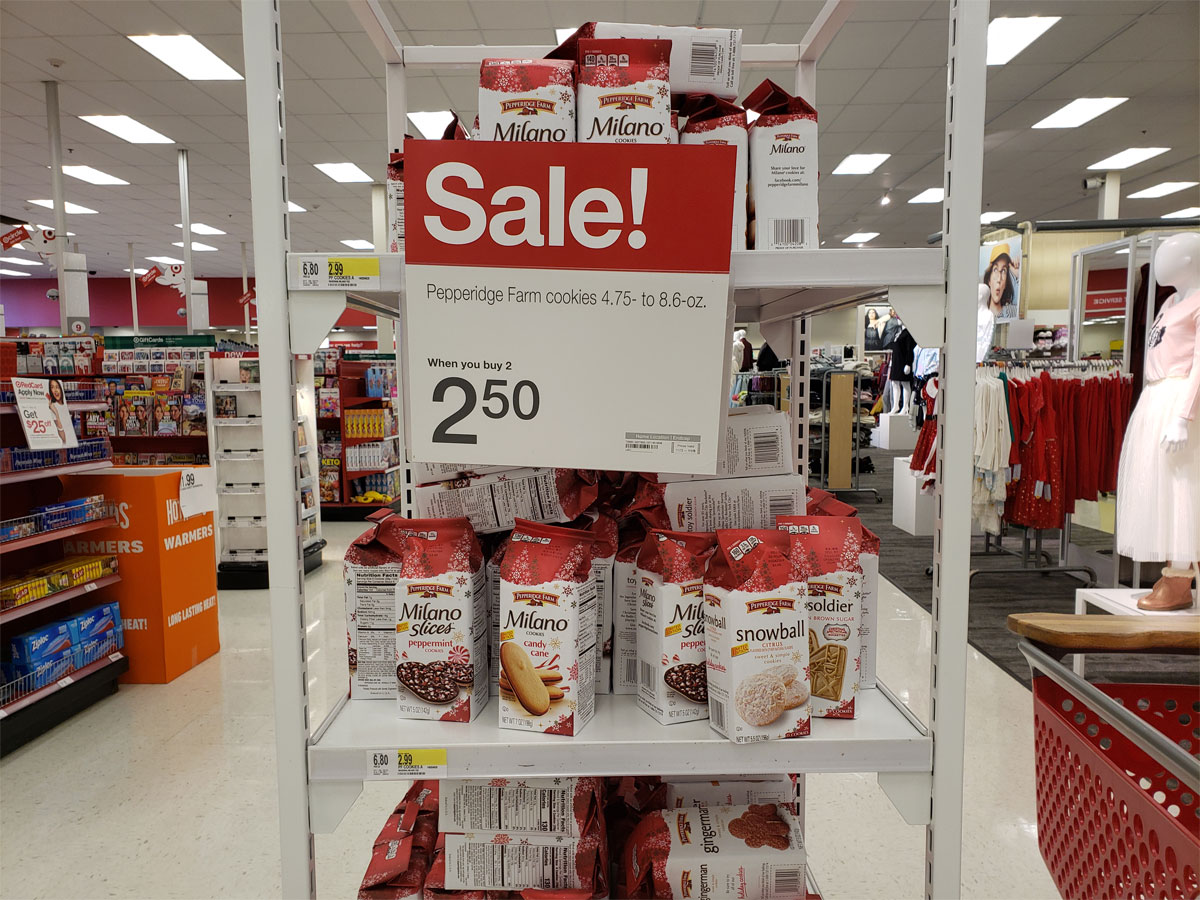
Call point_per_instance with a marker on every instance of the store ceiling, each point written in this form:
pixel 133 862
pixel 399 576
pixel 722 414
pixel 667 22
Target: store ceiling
pixel 881 89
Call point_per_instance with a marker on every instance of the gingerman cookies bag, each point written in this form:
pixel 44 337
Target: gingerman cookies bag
pixel 825 552
pixel 547 675
pixel 755 628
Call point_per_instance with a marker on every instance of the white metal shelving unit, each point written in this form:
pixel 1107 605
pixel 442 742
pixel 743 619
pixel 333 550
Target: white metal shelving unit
pixel 321 765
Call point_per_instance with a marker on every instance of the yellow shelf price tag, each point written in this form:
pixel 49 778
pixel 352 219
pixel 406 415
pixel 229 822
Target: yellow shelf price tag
pixel 339 272
pixel 420 762
pixel 352 266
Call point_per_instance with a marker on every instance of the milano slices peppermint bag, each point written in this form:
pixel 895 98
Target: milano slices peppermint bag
pixel 547 675
pixel 826 553
pixel 440 621
pixel 672 678
pixel 755 631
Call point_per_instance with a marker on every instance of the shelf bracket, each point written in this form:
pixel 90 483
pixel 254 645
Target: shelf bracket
pixel 328 803
pixel 910 793
pixel 314 313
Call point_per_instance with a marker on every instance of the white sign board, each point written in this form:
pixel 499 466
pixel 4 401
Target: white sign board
pixel 563 307
pixel 197 491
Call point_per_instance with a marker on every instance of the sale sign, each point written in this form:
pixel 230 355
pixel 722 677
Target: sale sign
pixel 45 416
pixel 566 304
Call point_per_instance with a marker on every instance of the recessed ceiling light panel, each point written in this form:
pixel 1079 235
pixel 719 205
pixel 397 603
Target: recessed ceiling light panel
pixel 860 163
pixel 989 217
pixel 1190 213
pixel 187 56
pixel 359 244
pixel 930 195
pixel 1162 189
pixel 1127 158
pixel 73 209
pixel 1008 37
pixel 344 172
pixel 201 228
pixel 197 247
pixel 92 176
pixel 128 129
pixel 432 125
pixel 1079 111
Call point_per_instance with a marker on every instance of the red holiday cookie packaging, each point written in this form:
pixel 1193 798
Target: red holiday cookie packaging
pixel 755 629
pixel 526 100
pixel 713 121
pixel 493 502
pixel 370 572
pixel 547 675
pixel 546 805
pixel 403 851
pixel 626 592
pixel 672 677
pixel 825 552
pixel 604 530
pixel 783 170
pixel 624 92
pixel 440 620
pixel 754 852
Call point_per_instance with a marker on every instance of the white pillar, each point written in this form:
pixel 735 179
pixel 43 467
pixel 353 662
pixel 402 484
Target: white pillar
pixel 185 210
pixel 1110 196
pixel 54 130
pixel 385 327
pixel 268 204
pixel 966 91
pixel 133 289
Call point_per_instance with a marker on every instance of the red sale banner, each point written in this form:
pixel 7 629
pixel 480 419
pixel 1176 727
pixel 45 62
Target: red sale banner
pixel 151 273
pixel 10 239
pixel 631 207
pixel 534 272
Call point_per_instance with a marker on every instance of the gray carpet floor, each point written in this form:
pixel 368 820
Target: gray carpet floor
pixel 903 560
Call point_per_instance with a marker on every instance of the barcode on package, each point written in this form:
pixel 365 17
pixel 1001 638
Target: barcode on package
pixel 704 60
pixel 787 882
pixel 787 233
pixel 716 712
pixel 780 503
pixel 631 671
pixel 765 449
pixel 647 675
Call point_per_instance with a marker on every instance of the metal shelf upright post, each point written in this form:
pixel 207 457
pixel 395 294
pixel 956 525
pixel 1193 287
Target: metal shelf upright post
pixel 322 764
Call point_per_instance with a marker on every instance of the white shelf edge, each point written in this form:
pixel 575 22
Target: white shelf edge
pixel 235 387
pixel 239 420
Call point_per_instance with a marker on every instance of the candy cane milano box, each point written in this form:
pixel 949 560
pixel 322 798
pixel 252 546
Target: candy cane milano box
pixel 526 100
pixel 547 630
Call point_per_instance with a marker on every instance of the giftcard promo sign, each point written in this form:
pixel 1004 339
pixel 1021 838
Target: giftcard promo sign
pixel 45 416
pixel 566 304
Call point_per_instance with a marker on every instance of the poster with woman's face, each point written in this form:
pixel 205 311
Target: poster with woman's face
pixel 1000 272
pixel 875 327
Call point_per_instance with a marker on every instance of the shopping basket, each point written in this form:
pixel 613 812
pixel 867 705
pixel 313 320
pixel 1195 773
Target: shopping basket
pixel 1118 774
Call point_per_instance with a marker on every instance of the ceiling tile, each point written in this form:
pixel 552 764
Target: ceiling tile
pixel 58 18
pixel 205 17
pixel 891 85
pixel 445 15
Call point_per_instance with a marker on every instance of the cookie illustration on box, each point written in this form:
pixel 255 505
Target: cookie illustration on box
pixel 427 683
pixel 689 680
pixel 760 826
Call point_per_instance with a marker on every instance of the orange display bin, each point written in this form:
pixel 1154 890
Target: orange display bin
pixel 167 564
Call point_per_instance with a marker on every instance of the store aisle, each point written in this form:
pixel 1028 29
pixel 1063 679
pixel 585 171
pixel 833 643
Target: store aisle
pixel 169 791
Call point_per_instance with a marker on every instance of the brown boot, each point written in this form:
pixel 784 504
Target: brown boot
pixel 1172 591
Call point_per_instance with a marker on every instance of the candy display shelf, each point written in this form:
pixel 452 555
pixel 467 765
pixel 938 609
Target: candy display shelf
pixel 41 537
pixel 13 613
pixel 780 290
pixel 47 471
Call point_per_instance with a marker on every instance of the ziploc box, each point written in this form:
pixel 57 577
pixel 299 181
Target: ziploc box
pixel 734 502
pixel 49 670
pixel 101 623
pixel 526 100
pixel 783 169
pixel 41 644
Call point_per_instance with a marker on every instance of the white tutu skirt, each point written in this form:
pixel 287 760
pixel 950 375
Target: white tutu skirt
pixel 1158 493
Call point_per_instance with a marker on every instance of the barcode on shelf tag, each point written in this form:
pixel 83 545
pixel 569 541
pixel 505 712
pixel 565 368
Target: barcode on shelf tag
pixel 63 682
pixel 425 762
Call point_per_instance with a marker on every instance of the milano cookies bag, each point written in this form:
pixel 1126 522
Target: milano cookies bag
pixel 526 100
pixel 783 170
pixel 672 682
pixel 547 630
pixel 711 120
pixel 440 621
pixel 624 92
pixel 826 553
pixel 754 627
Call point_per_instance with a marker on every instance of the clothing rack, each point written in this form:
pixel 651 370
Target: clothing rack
pixel 827 442
pixel 1036 560
pixel 758 388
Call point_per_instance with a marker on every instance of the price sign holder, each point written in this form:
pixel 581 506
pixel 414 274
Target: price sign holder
pixel 314 271
pixel 389 765
pixel 543 282
pixel 196 492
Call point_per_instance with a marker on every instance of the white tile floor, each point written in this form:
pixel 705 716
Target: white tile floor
pixel 169 791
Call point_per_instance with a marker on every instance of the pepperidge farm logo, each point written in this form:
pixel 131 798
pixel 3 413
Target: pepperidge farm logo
pixel 824 589
pixel 527 106
pixel 430 591
pixel 683 828
pixel 625 100
pixel 770 605
pixel 535 598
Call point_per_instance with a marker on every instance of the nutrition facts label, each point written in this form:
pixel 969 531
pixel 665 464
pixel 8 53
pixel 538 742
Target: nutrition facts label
pixel 514 862
pixel 515 807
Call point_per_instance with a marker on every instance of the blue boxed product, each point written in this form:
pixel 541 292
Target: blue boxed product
pixel 34 647
pixel 67 513
pixel 100 623
pixel 48 671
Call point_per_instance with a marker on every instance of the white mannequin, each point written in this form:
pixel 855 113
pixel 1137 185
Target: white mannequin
pixel 986 325
pixel 1176 263
pixel 900 394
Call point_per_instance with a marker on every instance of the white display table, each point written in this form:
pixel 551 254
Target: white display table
pixel 1118 602
pixel 912 511
pixel 894 432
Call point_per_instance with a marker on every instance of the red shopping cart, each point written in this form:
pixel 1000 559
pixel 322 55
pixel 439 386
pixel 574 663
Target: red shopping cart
pixel 1118 774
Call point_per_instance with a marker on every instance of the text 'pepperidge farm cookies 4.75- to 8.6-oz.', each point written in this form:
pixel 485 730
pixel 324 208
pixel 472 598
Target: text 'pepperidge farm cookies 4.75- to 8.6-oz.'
pixel 547 630
pixel 825 552
pixel 756 635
